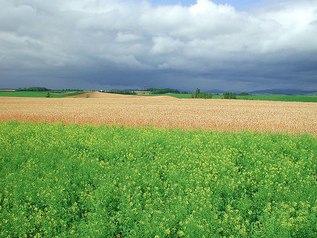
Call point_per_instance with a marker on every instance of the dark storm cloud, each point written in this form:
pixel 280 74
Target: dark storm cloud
pixel 128 44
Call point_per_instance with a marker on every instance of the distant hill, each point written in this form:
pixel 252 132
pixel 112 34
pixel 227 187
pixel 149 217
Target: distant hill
pixel 7 89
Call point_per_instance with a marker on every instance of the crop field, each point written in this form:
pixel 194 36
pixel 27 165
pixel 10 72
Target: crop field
pixel 176 95
pixel 253 175
pixel 272 97
pixel 286 98
pixel 41 94
pixel 165 112
pixel 86 181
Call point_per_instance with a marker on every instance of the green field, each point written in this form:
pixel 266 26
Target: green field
pixel 84 181
pixel 39 94
pixel 61 94
pixel 277 97
pixel 269 97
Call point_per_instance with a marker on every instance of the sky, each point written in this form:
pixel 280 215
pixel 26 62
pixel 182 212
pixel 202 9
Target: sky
pixel 104 44
pixel 238 4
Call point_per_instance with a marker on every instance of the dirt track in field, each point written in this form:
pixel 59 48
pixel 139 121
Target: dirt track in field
pixel 166 112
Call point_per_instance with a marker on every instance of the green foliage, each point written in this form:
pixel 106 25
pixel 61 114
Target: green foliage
pixel 85 181
pixel 68 93
pixel 196 93
pixel 244 94
pixel 162 90
pixel 34 89
pixel 278 97
pixel 202 95
pixel 229 95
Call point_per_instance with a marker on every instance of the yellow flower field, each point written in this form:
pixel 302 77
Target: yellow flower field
pixel 85 181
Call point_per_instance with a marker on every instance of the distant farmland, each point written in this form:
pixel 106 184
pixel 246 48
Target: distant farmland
pixel 265 97
pixel 166 112
pixel 61 180
pixel 39 94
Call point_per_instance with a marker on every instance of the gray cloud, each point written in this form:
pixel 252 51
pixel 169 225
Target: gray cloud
pixel 98 44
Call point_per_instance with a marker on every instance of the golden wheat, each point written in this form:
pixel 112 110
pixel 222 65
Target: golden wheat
pixel 167 112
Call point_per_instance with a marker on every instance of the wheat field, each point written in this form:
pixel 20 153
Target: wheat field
pixel 165 112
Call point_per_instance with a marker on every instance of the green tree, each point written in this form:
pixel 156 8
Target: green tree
pixel 197 92
pixel 229 95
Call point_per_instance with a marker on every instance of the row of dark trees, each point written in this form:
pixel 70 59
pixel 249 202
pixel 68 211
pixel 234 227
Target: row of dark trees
pixel 226 95
pixel 34 89
pixel 198 94
pixel 42 89
pixel 162 90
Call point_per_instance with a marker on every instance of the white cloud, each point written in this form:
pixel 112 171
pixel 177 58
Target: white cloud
pixel 198 38
pixel 165 45
pixel 127 37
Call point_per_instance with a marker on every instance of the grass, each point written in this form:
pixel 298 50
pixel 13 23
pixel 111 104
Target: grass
pixel 271 97
pixel 289 98
pixel 53 94
pixel 85 181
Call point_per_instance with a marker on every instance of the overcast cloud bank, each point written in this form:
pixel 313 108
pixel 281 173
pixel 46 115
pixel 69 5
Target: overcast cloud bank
pixel 113 43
